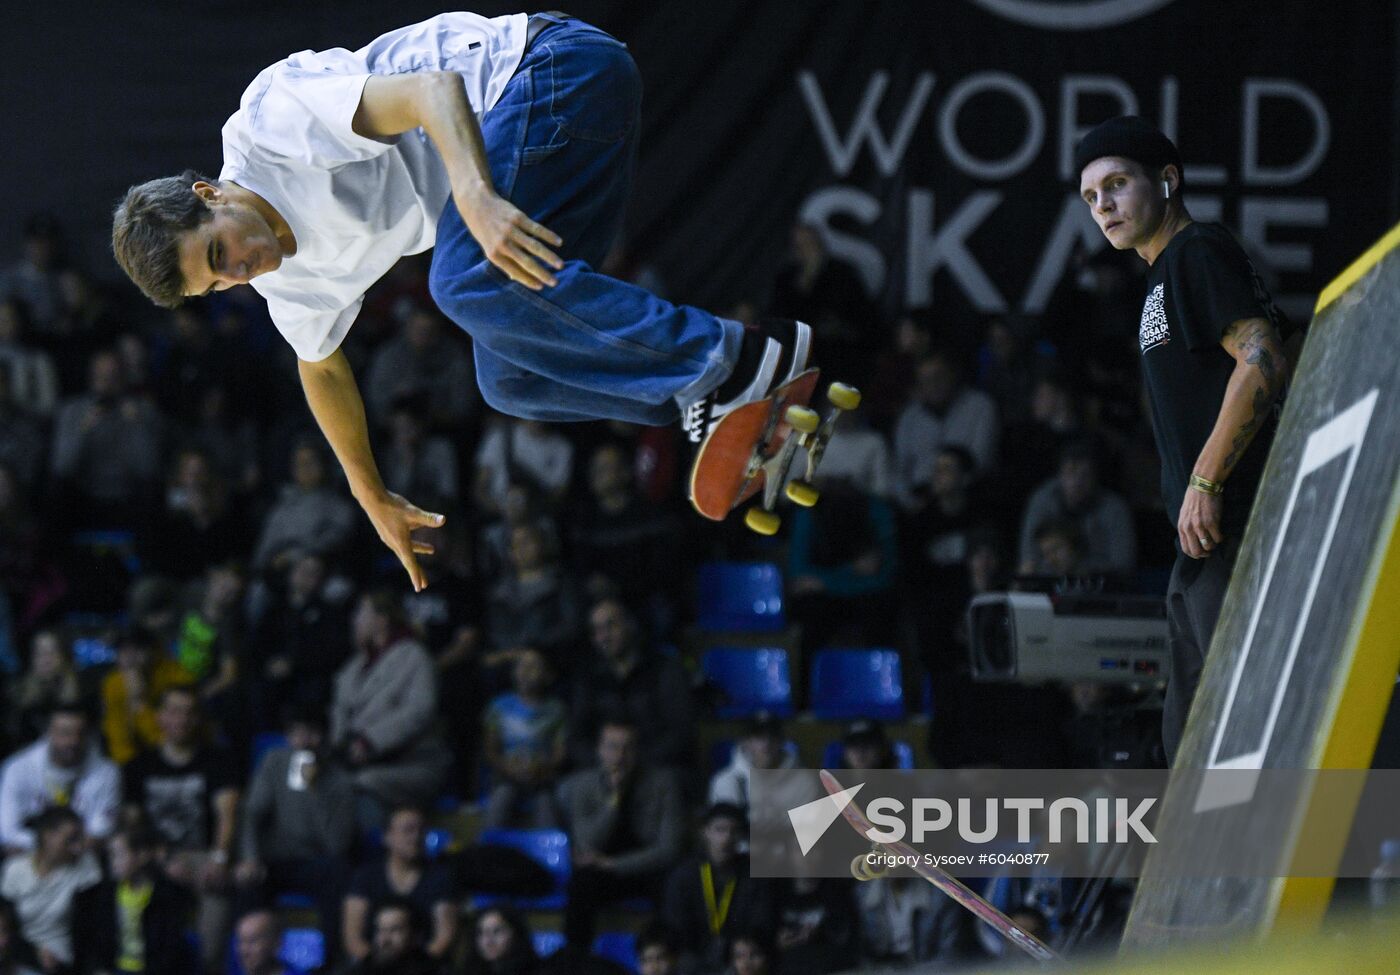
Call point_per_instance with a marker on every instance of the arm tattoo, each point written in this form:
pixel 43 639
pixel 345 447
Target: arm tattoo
pixel 1254 339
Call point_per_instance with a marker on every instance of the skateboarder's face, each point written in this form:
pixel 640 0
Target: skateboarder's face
pixel 231 249
pixel 1124 199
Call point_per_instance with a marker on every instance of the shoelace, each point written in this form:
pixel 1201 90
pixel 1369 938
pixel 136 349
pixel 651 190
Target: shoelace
pixel 694 421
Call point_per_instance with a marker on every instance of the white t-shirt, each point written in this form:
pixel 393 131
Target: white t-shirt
pixel 45 904
pixel 355 205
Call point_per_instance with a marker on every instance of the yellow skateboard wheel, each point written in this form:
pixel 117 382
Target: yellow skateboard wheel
pixel 803 420
pixel 763 521
pixel 842 396
pixel 862 870
pixel 802 493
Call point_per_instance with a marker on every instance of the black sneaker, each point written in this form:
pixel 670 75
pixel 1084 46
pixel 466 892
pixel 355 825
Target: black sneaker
pixel 774 351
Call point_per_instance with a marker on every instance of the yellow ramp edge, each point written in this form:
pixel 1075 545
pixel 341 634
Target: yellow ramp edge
pixel 1358 268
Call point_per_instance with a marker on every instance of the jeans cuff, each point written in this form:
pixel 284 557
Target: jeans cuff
pixel 721 363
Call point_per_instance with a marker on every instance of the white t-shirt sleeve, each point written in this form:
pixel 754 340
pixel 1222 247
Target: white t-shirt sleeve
pixel 304 108
pixel 313 334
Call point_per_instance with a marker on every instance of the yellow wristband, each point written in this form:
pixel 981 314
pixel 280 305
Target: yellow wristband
pixel 1207 486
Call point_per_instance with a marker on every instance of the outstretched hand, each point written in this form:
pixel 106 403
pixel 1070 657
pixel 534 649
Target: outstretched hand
pixel 513 242
pixel 394 518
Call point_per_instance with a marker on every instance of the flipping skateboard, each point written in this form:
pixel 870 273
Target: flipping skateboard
pixel 752 449
pixel 945 882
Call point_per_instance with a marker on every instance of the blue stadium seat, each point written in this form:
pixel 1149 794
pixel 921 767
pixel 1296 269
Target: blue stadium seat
pixel 866 683
pixel 547 847
pixel 303 949
pixel 547 942
pixel 903 754
pixel 753 680
pixel 617 946
pixel 740 597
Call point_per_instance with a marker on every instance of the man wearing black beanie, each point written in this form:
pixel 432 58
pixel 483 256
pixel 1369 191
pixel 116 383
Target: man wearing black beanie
pixel 1214 368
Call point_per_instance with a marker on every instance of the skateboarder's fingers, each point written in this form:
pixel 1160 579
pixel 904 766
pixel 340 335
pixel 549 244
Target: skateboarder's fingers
pixel 523 269
pixel 535 246
pixel 422 548
pixel 539 231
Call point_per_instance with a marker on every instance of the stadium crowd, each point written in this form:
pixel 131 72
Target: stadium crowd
pixel 226 713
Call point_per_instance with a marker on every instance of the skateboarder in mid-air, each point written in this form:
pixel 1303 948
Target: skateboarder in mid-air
pixel 507 145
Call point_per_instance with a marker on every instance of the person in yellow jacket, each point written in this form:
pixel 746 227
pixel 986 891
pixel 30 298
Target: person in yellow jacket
pixel 130 694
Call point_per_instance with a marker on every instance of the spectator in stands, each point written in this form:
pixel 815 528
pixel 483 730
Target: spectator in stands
pixel 132 691
pixel 1059 547
pixel 523 506
pixel 309 516
pixel 134 920
pixel 416 463
pixel 186 790
pixel 1032 447
pixel 861 454
pixel 1006 365
pixel 209 642
pixel 29 371
pixel 830 296
pixel 192 361
pixel 227 437
pixel 658 952
pixel 106 454
pixel 16 955
pixel 865 746
pixel 297 645
pixel 763 746
pixel 48 682
pixel 625 821
pixel 619 537
pixel 711 896
pixel 816 926
pixel 525 747
pixel 403 872
pixel 258 942
pixel 34 277
pixel 429 363
pixel 41 884
pixel 23 445
pixel 398 943
pixel 942 410
pixel 535 604
pixel 1105 523
pixel 199 527
pixel 514 450
pixel 842 559
pixel 627 676
pixel 501 944
pixel 64 768
pixel 86 320
pixel 904 921
pixel 752 953
pixel 383 712
pixel 298 823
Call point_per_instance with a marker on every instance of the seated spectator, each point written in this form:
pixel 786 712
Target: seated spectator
pixel 904 920
pixel 534 605
pixel 830 296
pixel 893 380
pixel 29 370
pixel 1059 549
pixel 403 873
pixel 1104 521
pixel 816 926
pixel 842 560
pixel 619 536
pixel 133 921
pixel 501 944
pixel 298 824
pixel 710 897
pixel 418 464
pixel 523 506
pixel 49 681
pixel 209 642
pixel 513 450
pixel 199 527
pixel 132 691
pixel 429 363
pixel 658 951
pixel 384 710
pixel 23 445
pixel 627 676
pixel 752 953
pixel 309 516
pixel 64 768
pixel 34 277
pixel 41 884
pixel 258 943
pixel 525 735
pixel 398 943
pixel 187 792
pixel 106 456
pixel 763 746
pixel 625 823
pixel 865 746
pixel 16 954
pixel 298 643
pixel 1032 448
pixel 941 411
pixel 222 431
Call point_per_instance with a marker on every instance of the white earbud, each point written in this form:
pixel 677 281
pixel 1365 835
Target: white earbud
pixel 1166 189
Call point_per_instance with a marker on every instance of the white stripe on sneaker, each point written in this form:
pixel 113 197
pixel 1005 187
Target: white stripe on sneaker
pixel 761 383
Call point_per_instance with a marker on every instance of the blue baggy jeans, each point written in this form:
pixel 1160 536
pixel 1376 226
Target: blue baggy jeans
pixel 561 144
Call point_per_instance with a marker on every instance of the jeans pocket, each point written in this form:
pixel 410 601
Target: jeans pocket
pixel 596 89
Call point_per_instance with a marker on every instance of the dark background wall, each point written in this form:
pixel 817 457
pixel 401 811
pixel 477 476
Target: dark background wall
pixel 954 116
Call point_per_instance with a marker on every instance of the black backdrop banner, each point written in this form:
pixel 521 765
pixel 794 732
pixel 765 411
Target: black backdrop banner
pixel 929 139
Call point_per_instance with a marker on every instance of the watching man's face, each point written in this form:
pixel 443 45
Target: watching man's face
pixel 393 934
pixel 656 960
pixel 1125 201
pixel 67 738
pixel 617 750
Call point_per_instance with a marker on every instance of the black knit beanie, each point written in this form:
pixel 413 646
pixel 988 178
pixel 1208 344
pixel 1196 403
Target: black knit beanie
pixel 1130 137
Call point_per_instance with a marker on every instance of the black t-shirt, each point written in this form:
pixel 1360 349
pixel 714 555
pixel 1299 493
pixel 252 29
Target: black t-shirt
pixel 179 799
pixel 1200 284
pixel 371 881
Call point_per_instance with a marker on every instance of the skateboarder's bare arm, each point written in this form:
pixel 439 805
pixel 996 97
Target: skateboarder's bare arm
pixel 437 101
pixel 335 401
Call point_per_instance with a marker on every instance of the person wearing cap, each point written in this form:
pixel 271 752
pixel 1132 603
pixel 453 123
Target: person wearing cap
pixel 866 746
pixel 1213 365
pixel 761 747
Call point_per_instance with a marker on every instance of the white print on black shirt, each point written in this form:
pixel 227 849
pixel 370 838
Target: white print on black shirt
pixel 1153 330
